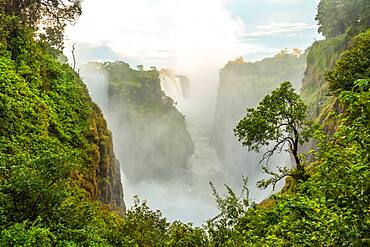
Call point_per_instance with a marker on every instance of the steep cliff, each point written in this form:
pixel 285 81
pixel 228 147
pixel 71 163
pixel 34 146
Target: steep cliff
pixel 321 58
pixel 105 175
pixel 339 23
pixel 243 85
pixel 150 133
pixel 47 114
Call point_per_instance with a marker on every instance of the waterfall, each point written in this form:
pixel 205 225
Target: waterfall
pixel 171 85
pixel 95 79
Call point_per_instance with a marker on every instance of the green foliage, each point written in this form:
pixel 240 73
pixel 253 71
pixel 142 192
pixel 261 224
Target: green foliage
pixel 137 89
pixel 51 15
pixel 335 17
pixel 42 133
pixel 277 117
pixel 221 229
pixel 46 141
pixel 339 21
pixel 48 131
pixel 278 121
pixel 26 234
pixel 321 58
pixel 185 235
pixel 353 64
pixel 142 226
pixel 343 173
pixel 331 208
pixel 244 84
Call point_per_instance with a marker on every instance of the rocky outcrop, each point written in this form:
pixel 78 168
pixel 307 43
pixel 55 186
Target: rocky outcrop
pixel 321 58
pixel 106 176
pixel 150 134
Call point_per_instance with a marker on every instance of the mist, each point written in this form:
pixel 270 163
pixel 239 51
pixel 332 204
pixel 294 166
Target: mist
pixel 178 187
pixel 172 171
pixel 175 177
pixel 187 195
pixel 243 85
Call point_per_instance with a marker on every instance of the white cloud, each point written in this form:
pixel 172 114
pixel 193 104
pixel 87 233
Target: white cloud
pixel 204 32
pixel 185 29
pixel 278 28
pixel 132 28
pixel 190 31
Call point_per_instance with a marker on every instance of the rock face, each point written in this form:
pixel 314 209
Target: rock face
pixel 321 58
pixel 107 178
pixel 243 85
pixel 315 92
pixel 150 135
pixel 106 174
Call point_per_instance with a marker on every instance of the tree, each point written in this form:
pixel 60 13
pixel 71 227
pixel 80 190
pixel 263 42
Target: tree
pixel 140 67
pixel 353 64
pixel 279 120
pixel 51 15
pixel 335 17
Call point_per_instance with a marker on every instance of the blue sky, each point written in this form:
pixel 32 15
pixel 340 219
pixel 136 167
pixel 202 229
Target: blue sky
pixel 158 32
pixel 264 13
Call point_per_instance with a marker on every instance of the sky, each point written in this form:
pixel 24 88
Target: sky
pixel 158 32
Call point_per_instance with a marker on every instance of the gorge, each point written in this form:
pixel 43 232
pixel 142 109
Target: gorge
pixel 183 123
pixel 174 158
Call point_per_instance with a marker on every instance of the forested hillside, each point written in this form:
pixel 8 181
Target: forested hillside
pixel 58 171
pixel 329 206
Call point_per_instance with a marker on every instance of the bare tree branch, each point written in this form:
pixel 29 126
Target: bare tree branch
pixel 73 56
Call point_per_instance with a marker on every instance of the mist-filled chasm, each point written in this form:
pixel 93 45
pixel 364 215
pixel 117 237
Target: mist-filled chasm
pixel 173 129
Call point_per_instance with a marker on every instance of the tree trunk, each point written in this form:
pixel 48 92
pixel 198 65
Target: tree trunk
pixel 300 168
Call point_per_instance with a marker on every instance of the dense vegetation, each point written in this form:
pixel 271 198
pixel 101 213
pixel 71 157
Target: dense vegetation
pixel 339 21
pixel 46 18
pixel 331 208
pixel 321 58
pixel 151 121
pixel 56 181
pixel 337 17
pixel 56 158
pixel 352 65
